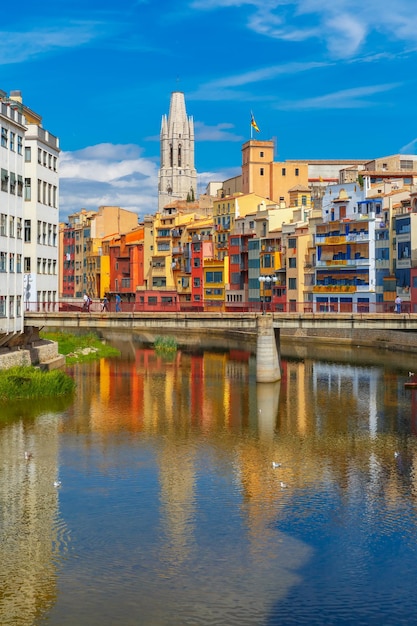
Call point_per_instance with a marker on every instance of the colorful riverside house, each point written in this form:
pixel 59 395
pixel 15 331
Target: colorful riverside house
pixel 199 248
pixel 405 226
pixel 216 273
pixel 413 269
pixel 192 244
pixel 225 212
pixel 75 234
pixel 237 292
pixel 345 266
pixel 67 265
pixel 337 264
pixel 265 258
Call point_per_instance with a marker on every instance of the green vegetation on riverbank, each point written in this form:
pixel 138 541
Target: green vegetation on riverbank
pixel 29 383
pixel 165 345
pixel 80 348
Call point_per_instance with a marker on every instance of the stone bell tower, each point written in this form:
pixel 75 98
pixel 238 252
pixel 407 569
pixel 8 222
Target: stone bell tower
pixel 177 178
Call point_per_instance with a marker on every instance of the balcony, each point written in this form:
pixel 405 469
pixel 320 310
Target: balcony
pixel 362 236
pixel 343 263
pixel 335 288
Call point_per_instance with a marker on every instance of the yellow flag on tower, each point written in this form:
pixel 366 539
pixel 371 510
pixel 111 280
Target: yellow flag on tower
pixel 253 122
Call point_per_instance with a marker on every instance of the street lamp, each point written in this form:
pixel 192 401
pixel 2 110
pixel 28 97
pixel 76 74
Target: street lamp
pixel 265 283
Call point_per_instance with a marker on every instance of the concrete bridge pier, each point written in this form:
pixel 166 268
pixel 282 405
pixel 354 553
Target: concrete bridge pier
pixel 268 366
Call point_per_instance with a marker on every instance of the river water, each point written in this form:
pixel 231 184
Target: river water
pixel 169 511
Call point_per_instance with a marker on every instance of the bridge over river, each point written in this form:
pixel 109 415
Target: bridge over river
pixel 265 327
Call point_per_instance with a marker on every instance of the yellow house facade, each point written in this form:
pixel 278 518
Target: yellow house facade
pixel 272 180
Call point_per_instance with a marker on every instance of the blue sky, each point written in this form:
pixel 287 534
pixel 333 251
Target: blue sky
pixel 324 78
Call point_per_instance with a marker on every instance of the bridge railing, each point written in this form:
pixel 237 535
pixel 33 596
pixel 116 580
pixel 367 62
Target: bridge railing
pixel 212 307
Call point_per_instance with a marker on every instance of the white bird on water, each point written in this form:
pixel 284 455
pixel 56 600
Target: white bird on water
pixel 396 455
pixel 28 455
pixel 57 483
pixel 283 485
pixel 275 465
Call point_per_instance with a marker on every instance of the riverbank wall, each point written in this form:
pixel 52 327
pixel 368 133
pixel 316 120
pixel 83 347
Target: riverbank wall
pixel 40 353
pixel 398 341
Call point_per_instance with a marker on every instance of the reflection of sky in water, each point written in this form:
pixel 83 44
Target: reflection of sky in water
pixel 170 511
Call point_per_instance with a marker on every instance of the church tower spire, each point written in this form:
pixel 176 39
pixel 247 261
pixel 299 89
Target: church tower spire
pixel 177 178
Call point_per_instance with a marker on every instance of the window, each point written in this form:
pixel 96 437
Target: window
pixel 12 183
pixel 261 171
pixel 11 263
pixel 19 263
pixel 28 192
pixel 297 171
pixel 292 242
pixel 11 306
pixel 39 231
pixel 2 306
pixel 261 154
pixel 39 156
pixel 28 154
pixel 19 144
pixel 4 180
pixel 3 225
pixel 214 277
pixel 4 137
pixel 283 171
pixel 292 283
pixel 19 228
pixel 406 164
pixel 3 257
pixel 19 185
pixel 12 141
pixel 11 226
pixel 27 231
pixel 196 282
pixel 26 264
pixel 292 262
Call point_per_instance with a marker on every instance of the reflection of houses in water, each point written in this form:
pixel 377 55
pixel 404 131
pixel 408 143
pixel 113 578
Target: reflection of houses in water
pixel 353 391
pixel 29 539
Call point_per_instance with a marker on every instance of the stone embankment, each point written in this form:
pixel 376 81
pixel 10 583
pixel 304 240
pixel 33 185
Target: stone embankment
pixel 43 354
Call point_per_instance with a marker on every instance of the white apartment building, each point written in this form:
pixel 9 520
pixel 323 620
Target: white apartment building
pixel 12 129
pixel 29 213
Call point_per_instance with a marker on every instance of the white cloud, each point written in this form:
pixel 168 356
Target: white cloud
pixel 342 25
pixel 18 47
pixel 409 148
pixel 220 132
pixel 108 174
pixel 223 88
pixel 117 175
pixel 343 99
